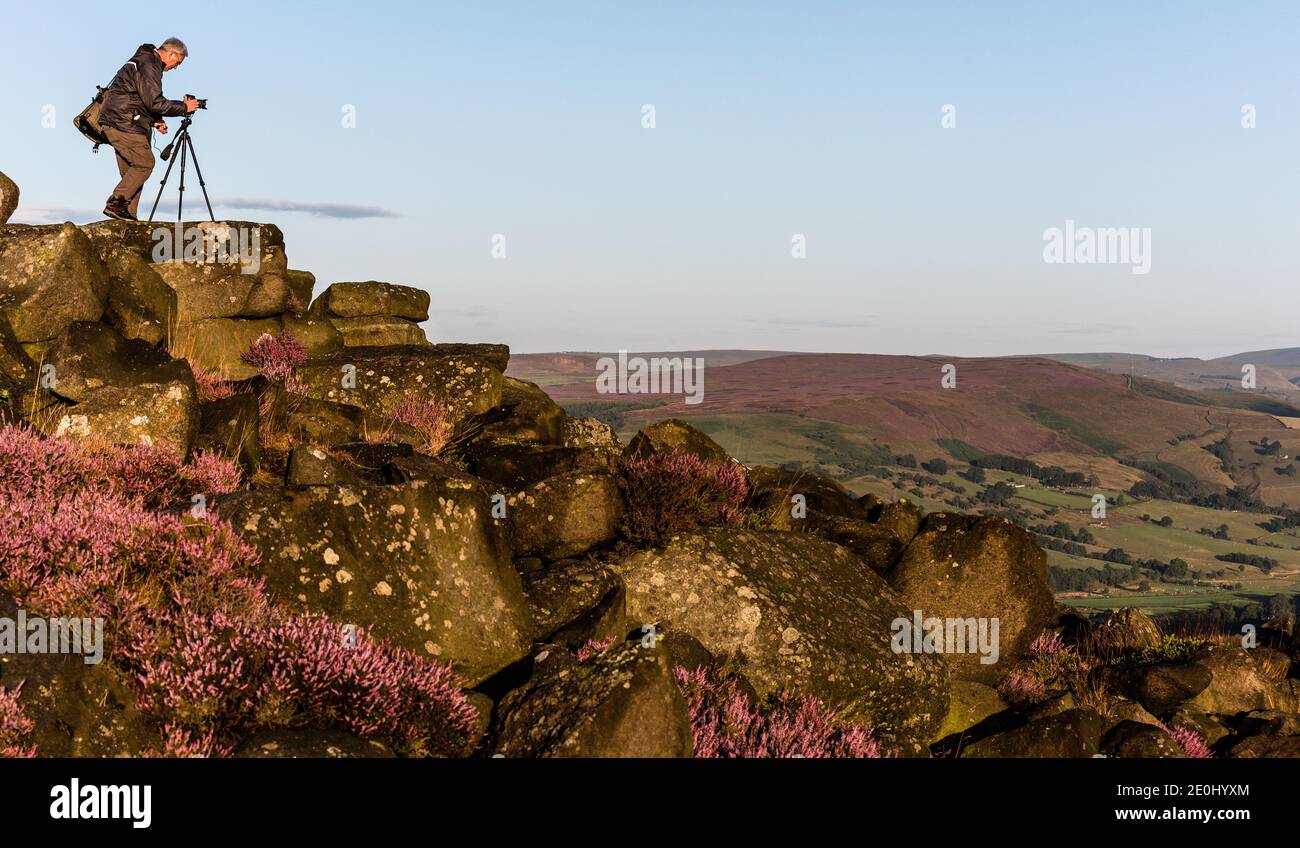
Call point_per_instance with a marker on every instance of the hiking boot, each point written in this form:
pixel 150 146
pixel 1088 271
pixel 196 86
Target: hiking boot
pixel 116 208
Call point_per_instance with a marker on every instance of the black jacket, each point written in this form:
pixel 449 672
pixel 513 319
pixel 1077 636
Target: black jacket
pixel 134 99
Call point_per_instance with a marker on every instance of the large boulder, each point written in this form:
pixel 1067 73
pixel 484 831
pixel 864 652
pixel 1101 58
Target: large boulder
pixel 776 487
pixel 421 564
pixel 1160 687
pixel 50 276
pixel 565 515
pixel 369 299
pixel 622 702
pixel 8 197
pixel 588 433
pixel 1139 740
pixel 520 466
pixel 1239 683
pixel 961 567
pixel 90 356
pixel 1073 733
pixel 464 385
pixel 1128 629
pixel 318 335
pixel 969 704
pixel 526 414
pixel 378 331
pixel 162 415
pixel 790 611
pixel 674 435
pixel 575 601
pixel 223 269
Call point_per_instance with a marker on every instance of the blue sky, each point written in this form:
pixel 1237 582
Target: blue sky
pixel 772 119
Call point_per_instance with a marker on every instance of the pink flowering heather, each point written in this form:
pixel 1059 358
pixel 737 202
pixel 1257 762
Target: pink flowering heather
pixel 210 386
pixel 1022 687
pixel 727 725
pixel 220 677
pixel 428 418
pixel 277 357
pixel 1049 644
pixel 668 492
pixel 592 647
pixel 32 466
pixel 1192 743
pixel 188 620
pixel 15 727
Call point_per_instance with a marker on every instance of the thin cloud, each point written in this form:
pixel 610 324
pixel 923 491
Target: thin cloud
pixel 321 210
pixel 45 214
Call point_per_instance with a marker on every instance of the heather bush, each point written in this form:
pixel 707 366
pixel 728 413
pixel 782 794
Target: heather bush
pixel 428 418
pixel 1021 687
pixel 210 386
pixel 220 676
pixel 32 466
pixel 1190 741
pixel 14 726
pixel 591 647
pixel 669 492
pixel 277 357
pixel 211 656
pixel 726 724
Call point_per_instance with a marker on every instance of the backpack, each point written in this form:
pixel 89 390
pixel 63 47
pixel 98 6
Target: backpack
pixel 87 123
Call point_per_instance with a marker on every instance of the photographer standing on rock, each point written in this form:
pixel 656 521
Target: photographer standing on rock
pixel 133 103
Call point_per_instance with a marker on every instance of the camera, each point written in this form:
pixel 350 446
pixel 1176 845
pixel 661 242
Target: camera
pixel 203 102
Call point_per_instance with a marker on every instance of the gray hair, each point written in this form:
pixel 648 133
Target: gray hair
pixel 175 45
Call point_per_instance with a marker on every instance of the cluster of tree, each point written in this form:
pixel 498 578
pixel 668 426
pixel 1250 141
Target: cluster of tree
pixel 999 494
pixel 975 474
pixel 1266 448
pixel 1051 475
pixel 938 466
pixel 906 460
pixel 1088 579
pixel 1263 563
pixel 1220 533
pixel 1061 530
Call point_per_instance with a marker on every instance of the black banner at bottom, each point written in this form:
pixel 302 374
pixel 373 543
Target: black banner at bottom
pixel 498 796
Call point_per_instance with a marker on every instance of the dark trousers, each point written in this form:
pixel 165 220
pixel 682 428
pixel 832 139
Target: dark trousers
pixel 134 164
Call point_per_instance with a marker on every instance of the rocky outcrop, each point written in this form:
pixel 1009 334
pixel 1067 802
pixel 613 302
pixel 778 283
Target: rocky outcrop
pixel 376 379
pixel 50 276
pixel 793 612
pixel 420 563
pixel 622 702
pixel 675 435
pixel 970 567
pixel 565 515
pixel 8 198
pixel 374 314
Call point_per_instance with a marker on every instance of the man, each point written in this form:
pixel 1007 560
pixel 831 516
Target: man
pixel 132 104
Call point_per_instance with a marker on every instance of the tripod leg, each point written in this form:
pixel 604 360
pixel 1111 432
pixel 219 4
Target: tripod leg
pixel 194 157
pixel 180 198
pixel 162 185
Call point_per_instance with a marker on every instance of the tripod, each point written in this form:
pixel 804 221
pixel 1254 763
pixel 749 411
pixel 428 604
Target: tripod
pixel 186 149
